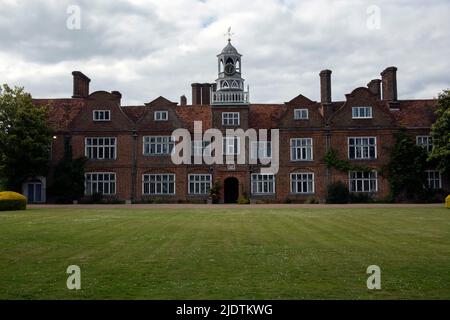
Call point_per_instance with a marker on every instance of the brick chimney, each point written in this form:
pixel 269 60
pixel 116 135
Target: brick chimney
pixel 118 95
pixel 80 85
pixel 325 86
pixel 196 93
pixel 201 93
pixel 389 80
pixel 375 87
pixel 183 100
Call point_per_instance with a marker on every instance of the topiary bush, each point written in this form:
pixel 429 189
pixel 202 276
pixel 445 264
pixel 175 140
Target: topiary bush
pixel 337 192
pixel 10 201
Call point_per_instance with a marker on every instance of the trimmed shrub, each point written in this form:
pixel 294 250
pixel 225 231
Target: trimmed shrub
pixel 311 200
pixel 10 201
pixel 243 200
pixel 337 192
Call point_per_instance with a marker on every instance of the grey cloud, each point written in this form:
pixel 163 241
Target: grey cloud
pixel 151 48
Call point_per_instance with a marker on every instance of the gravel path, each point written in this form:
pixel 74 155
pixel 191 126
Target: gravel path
pixel 234 206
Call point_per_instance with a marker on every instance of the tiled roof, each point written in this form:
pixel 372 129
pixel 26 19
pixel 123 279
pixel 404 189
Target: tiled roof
pixel 415 113
pixel 62 111
pixel 133 112
pixel 412 113
pixel 265 116
pixel 189 114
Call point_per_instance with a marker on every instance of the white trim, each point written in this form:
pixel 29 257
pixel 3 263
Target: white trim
pixel 429 179
pixel 300 112
pixel 263 193
pixel 109 181
pixel 39 180
pixel 428 146
pixel 105 112
pixel 159 193
pixel 100 146
pixel 368 112
pixel 229 118
pixel 311 145
pixel 363 179
pixel 198 182
pixel 161 112
pixel 171 141
pixel 376 148
pixel 313 182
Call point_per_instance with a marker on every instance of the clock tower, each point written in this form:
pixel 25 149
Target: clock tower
pixel 229 84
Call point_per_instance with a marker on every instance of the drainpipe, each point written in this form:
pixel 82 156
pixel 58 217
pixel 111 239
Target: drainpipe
pixel 134 166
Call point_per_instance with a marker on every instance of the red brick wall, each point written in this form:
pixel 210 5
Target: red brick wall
pixel 382 126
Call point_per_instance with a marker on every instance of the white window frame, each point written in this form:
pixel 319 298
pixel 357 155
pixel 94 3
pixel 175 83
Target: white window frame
pixel 235 145
pixel 302 149
pixel 160 180
pixel 200 148
pixel 364 148
pixel 198 183
pixel 262 182
pixel 431 181
pixel 89 148
pixel 231 118
pixel 110 182
pixel 362 112
pixel 359 177
pixel 301 114
pixel 163 145
pixel 160 115
pixel 100 115
pixel 261 150
pixel 304 178
pixel 425 142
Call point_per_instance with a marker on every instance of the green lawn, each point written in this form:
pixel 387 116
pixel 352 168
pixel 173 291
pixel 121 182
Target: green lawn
pixel 225 253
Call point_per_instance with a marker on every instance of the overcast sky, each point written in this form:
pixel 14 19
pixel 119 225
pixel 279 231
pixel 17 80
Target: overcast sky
pixel 145 49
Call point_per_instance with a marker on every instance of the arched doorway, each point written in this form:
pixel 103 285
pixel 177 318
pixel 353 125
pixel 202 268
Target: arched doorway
pixel 231 190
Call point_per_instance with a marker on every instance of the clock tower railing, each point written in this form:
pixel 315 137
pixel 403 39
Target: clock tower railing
pixel 230 97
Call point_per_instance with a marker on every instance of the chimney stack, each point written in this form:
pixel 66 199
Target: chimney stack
pixel 196 93
pixel 80 85
pixel 201 93
pixel 375 87
pixel 117 94
pixel 183 100
pixel 325 86
pixel 389 80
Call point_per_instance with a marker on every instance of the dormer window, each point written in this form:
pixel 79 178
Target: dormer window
pixel 101 115
pixel 301 114
pixel 362 112
pixel 161 115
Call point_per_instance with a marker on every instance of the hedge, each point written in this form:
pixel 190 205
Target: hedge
pixel 10 201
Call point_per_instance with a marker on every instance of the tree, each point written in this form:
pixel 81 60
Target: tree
pixel 440 132
pixel 68 177
pixel 25 138
pixel 406 169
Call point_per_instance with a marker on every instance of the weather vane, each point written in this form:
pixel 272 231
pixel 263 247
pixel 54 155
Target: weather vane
pixel 229 34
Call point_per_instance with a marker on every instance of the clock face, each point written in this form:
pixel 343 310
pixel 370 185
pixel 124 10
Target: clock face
pixel 229 69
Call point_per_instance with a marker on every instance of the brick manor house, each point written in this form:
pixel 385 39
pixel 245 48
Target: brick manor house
pixel 129 147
